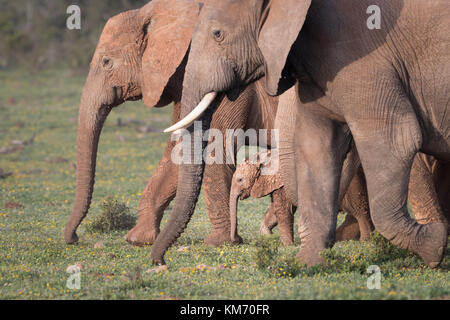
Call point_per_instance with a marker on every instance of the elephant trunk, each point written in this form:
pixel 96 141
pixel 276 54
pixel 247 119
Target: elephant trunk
pixel 234 198
pixel 190 178
pixel 91 118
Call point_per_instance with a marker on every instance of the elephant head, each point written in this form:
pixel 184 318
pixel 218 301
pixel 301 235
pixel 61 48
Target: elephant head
pixel 234 43
pixel 140 54
pixel 249 180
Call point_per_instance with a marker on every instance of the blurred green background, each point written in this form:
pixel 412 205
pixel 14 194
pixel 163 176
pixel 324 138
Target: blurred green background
pixel 33 33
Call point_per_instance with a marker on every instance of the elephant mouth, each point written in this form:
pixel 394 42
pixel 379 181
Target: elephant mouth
pixel 243 196
pixel 135 98
pixel 233 94
pixel 121 94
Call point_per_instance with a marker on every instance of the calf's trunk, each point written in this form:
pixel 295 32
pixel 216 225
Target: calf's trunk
pixel 234 198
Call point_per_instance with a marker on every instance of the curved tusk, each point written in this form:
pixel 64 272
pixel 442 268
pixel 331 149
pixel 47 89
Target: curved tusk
pixel 195 114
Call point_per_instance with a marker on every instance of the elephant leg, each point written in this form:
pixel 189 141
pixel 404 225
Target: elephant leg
pixel 269 221
pixel 159 192
pixel 321 146
pixel 388 136
pixel 356 205
pixel 441 177
pixel 348 230
pixel 216 185
pixel 423 195
pixel 217 177
pixel 284 213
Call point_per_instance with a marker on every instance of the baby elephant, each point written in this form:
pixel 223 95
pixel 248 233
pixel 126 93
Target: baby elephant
pixel 254 178
pixel 259 176
pixel 428 194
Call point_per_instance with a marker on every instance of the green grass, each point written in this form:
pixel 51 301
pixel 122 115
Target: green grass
pixel 34 257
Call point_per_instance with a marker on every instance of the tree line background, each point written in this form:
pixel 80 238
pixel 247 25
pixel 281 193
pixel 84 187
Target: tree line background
pixel 33 33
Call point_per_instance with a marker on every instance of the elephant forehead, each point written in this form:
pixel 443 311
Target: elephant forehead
pixel 112 49
pixel 226 12
pixel 121 29
pixel 246 171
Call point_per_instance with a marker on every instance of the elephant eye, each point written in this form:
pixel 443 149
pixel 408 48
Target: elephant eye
pixel 218 35
pixel 107 63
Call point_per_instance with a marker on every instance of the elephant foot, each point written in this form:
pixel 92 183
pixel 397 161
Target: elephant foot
pixel 431 248
pixel 158 261
pixel 140 235
pixel 287 240
pixel 71 238
pixel 365 235
pixel 348 232
pixel 310 257
pixel 264 230
pixel 219 238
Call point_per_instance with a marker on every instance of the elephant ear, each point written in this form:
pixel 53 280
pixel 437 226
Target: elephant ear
pixel 266 183
pixel 167 31
pixel 281 23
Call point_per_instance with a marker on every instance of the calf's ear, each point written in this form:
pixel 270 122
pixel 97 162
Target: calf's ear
pixel 269 179
pixel 265 185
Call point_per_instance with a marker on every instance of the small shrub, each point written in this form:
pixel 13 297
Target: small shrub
pixel 386 248
pixel 114 216
pixel 360 255
pixel 266 251
pixel 337 261
pixel 396 257
pixel 286 267
pixel 269 259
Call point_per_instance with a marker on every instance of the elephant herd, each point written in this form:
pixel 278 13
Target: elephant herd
pixel 363 117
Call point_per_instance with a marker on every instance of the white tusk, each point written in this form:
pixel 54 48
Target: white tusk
pixel 195 114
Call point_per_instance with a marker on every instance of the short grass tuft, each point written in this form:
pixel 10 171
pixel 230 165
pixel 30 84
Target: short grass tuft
pixel 357 258
pixel 266 251
pixel 269 258
pixel 115 216
pixel 286 267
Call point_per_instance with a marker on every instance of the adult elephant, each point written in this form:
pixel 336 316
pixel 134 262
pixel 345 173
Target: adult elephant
pixel 142 54
pixel 428 194
pixel 387 88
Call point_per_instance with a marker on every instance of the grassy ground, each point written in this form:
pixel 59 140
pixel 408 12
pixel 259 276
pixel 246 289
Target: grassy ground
pixel 36 201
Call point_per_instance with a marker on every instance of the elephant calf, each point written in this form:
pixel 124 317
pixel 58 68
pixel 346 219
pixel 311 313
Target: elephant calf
pixel 248 181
